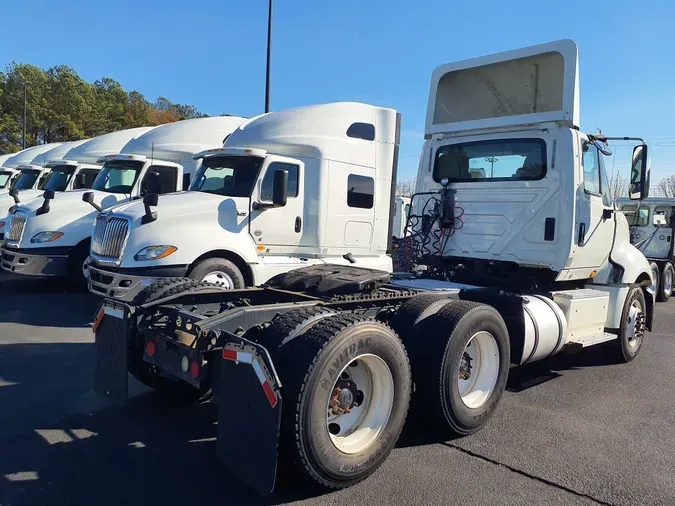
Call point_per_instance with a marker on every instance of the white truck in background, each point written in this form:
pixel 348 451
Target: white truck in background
pixel 400 217
pixel 513 265
pixel 20 164
pixel 6 175
pixel 53 238
pixel 69 169
pixel 651 224
pixel 232 231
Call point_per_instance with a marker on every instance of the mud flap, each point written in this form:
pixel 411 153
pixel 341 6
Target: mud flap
pixel 248 423
pixel 110 374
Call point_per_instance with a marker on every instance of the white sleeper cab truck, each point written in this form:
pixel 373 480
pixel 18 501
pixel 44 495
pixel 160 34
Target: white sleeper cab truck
pixel 20 164
pixel 520 254
pixel 651 231
pixel 6 174
pixel 51 236
pixel 71 169
pixel 241 224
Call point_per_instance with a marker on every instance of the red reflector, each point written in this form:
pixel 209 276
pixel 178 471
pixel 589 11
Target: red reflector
pixel 230 354
pixel 150 348
pixel 270 394
pixel 97 322
pixel 194 370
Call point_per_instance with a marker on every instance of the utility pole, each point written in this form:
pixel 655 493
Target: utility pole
pixel 492 160
pixel 269 57
pixel 25 86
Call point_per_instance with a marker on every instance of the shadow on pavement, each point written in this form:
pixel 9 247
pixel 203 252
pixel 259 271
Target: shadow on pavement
pixel 44 302
pixel 155 451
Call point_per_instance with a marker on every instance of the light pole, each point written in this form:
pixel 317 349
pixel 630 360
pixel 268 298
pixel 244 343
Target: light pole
pixel 492 160
pixel 26 84
pixel 269 57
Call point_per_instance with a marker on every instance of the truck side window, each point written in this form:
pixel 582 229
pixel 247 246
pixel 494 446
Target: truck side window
pixel 635 217
pixel 607 197
pixel 268 181
pixel 168 178
pixel 89 177
pixel 360 191
pixel 591 167
pixel 665 211
pixel 365 131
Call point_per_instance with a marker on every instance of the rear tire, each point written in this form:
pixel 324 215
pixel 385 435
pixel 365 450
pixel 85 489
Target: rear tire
pixel 219 272
pixel 407 321
pixel 665 285
pixel 369 363
pixel 460 364
pixel 656 277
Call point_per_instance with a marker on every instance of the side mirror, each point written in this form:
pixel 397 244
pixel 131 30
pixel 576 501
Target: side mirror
pixel 280 188
pixel 639 174
pixel 152 183
pixel 14 193
pixel 81 181
pixel 88 197
pixel 186 182
pixel 150 200
pixel 44 208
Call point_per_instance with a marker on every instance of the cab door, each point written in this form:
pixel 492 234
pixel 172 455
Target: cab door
pixel 594 232
pixel 280 227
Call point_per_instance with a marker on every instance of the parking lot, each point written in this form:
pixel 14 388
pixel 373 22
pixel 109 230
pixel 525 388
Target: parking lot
pixel 576 429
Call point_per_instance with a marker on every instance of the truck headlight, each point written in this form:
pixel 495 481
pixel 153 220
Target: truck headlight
pixel 46 237
pixel 154 253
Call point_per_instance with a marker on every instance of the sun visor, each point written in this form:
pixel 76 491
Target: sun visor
pixel 526 86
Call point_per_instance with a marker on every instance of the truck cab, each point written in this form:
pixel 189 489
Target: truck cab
pixel 52 236
pixel 272 199
pixel 651 231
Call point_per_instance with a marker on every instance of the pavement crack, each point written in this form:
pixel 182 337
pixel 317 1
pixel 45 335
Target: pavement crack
pixel 529 475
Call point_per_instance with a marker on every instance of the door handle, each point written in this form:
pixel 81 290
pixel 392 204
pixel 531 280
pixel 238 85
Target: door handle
pixel 298 224
pixel 582 233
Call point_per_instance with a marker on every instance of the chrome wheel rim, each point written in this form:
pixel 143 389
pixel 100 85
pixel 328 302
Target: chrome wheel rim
pixel 359 404
pixel 668 282
pixel 219 278
pixel 635 325
pixel 655 277
pixel 478 369
pixel 85 267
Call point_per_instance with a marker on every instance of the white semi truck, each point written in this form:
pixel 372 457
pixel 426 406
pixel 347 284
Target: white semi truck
pixel 6 175
pixel 51 236
pixel 651 231
pixel 20 163
pixel 229 231
pixel 515 261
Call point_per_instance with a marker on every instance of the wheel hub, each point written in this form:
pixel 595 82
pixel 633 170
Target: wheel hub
pixel 635 324
pixel 343 399
pixel 465 367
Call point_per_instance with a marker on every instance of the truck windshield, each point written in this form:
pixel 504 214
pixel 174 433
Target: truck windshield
pixel 58 178
pixel 118 176
pixel 492 160
pixel 4 178
pixel 230 176
pixel 26 179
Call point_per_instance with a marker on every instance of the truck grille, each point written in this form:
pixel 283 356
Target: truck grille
pixel 109 236
pixel 16 226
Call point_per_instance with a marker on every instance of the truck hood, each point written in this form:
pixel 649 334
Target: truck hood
pixel 71 202
pixel 175 205
pixel 6 201
pixel 194 222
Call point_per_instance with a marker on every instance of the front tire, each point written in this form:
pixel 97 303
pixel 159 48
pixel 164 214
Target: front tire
pixel 460 365
pixel 219 272
pixel 665 286
pixel 78 259
pixel 347 380
pixel 632 329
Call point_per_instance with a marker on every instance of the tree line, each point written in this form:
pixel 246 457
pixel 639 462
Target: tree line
pixel 61 106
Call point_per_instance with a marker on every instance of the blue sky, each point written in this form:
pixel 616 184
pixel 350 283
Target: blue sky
pixel 210 53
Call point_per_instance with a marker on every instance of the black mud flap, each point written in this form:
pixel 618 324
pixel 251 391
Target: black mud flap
pixel 110 374
pixel 249 416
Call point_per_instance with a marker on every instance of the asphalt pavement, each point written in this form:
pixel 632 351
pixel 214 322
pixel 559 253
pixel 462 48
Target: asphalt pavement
pixel 574 429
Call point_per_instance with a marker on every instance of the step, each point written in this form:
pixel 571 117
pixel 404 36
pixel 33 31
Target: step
pixel 585 342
